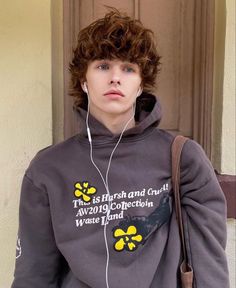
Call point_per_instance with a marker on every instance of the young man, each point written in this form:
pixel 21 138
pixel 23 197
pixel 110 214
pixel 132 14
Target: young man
pixel 96 210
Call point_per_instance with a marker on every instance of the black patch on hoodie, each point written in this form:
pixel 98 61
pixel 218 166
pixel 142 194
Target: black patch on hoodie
pixel 137 229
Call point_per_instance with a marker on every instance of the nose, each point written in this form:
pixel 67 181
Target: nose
pixel 115 76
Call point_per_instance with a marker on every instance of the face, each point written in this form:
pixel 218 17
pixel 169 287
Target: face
pixel 113 86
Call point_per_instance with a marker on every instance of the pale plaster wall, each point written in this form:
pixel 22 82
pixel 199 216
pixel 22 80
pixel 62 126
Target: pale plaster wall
pixel 219 56
pixel 25 108
pixel 224 88
pixel 228 113
pixel 57 71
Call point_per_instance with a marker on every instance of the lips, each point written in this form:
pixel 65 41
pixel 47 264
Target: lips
pixel 114 92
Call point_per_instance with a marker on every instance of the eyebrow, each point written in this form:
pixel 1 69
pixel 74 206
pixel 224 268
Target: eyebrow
pixel 124 63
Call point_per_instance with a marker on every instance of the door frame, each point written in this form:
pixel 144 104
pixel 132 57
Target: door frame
pixel 202 76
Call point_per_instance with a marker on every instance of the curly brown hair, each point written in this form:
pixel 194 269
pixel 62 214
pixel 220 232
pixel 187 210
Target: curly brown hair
pixel 116 36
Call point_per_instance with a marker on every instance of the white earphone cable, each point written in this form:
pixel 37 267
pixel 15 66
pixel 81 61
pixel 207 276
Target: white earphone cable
pixel 105 181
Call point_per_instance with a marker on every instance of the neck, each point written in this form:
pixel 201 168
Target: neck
pixel 118 127
pixel 116 124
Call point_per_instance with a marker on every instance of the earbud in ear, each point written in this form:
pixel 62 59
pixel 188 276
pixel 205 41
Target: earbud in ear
pixel 84 87
pixel 140 90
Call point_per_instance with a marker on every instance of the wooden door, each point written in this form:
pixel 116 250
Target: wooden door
pixel 184 33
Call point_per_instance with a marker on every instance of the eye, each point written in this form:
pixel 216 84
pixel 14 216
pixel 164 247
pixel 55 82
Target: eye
pixel 129 69
pixel 103 66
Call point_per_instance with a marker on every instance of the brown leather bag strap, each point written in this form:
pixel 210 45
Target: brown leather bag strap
pixel 185 268
pixel 176 150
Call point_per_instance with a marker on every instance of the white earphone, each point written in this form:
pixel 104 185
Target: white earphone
pixel 85 88
pixel 140 90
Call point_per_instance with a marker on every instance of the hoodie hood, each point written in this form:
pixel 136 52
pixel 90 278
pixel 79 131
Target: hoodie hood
pixel 147 115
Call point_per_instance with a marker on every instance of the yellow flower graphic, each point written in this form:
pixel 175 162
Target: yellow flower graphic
pixel 128 240
pixel 83 190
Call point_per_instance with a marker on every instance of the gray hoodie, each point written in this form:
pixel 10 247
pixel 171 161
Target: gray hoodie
pixel 64 203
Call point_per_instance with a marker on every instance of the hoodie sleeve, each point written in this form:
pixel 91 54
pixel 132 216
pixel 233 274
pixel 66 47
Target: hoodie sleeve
pixel 204 214
pixel 37 258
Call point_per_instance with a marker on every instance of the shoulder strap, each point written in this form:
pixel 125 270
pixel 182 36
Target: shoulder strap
pixel 185 268
pixel 176 150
